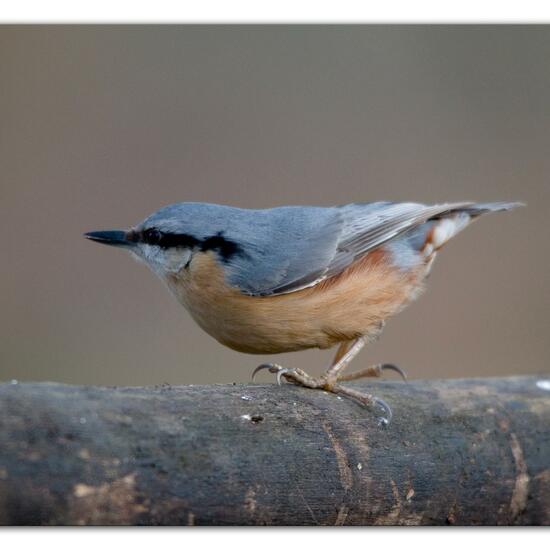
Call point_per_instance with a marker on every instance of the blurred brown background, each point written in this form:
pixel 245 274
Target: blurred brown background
pixel 100 126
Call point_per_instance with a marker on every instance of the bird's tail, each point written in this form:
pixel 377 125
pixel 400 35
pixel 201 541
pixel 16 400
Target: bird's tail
pixel 454 220
pixel 485 207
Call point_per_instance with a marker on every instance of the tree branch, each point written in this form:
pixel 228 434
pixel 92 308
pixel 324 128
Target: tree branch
pixel 462 452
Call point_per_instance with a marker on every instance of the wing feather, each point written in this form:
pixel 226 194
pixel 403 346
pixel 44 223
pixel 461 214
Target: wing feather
pixel 365 227
pixel 346 233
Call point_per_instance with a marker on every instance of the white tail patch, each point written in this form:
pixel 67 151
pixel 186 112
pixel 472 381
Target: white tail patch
pixel 444 230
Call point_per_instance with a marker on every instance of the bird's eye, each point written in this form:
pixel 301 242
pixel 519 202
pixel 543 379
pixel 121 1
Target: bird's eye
pixel 152 236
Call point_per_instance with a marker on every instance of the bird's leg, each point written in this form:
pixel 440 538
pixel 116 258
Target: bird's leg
pixel 344 356
pixel 374 371
pixel 329 380
pixel 343 348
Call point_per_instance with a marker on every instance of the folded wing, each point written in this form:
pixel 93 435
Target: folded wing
pixel 353 231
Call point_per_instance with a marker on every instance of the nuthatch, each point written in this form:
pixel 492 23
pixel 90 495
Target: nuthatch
pixel 296 277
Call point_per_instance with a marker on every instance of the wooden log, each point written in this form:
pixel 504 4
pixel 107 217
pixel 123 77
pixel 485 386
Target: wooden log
pixel 458 452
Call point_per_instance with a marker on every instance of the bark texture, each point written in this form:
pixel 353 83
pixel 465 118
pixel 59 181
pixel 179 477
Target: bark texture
pixel 458 452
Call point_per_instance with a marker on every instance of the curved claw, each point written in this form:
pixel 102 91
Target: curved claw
pixel 266 366
pixel 383 421
pixel 273 369
pixel 280 372
pixel 395 368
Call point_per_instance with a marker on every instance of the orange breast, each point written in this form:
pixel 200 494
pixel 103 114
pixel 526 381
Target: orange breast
pixel 341 308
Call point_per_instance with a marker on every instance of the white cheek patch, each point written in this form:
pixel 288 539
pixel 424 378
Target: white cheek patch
pixel 164 260
pixel 150 253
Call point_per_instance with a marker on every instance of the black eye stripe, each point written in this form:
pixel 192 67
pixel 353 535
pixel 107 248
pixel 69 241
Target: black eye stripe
pixel 152 236
pixel 173 240
pixel 226 248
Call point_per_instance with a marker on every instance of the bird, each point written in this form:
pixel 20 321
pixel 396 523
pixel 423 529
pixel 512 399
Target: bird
pixel 290 278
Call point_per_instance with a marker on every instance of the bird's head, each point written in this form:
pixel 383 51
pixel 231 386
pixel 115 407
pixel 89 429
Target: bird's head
pixel 167 240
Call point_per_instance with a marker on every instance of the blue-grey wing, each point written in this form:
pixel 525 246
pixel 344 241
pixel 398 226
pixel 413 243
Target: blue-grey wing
pixel 293 248
pixel 287 247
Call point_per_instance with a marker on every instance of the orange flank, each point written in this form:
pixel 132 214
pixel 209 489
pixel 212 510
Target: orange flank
pixel 346 306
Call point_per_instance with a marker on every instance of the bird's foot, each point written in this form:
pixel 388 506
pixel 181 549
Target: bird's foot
pixel 374 371
pixel 296 376
pixel 330 384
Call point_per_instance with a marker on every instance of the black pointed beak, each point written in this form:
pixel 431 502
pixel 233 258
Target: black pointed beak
pixel 113 238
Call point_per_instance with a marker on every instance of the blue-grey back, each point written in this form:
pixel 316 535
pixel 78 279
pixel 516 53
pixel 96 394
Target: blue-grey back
pixel 284 249
pixel 275 244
